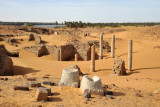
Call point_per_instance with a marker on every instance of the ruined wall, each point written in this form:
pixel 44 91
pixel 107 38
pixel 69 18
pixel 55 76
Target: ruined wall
pixel 3 51
pixel 83 50
pixel 6 66
pixel 53 50
pixel 67 52
pixel 38 50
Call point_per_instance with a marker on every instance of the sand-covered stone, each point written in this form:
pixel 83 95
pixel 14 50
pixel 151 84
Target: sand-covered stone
pixel 119 67
pixel 41 94
pixel 70 78
pixel 91 85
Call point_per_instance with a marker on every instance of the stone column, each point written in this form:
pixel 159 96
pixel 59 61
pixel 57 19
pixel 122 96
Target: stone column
pixel 60 54
pixel 129 55
pixel 113 47
pixel 92 58
pixel 101 47
pixel 76 57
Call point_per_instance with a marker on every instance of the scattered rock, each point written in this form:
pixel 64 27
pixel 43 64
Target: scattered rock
pixel 109 96
pixel 105 86
pixel 87 95
pixel 87 99
pixel 48 83
pixel 138 95
pixel 33 84
pixel 48 90
pixel 113 85
pixel 41 94
pixel 119 67
pixel 31 79
pixel 21 88
pixel 5 79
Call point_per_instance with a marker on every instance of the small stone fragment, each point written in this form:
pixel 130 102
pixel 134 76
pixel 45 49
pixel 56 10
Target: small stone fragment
pixel 41 94
pixel 21 88
pixel 138 95
pixel 31 79
pixel 87 95
pixel 48 90
pixel 48 83
pixel 87 99
pixel 109 96
pixel 33 84
pixel 113 85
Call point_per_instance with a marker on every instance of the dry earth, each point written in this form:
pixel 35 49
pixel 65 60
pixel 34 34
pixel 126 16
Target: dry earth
pixel 133 90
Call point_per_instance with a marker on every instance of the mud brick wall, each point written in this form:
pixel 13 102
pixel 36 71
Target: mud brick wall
pixel 67 52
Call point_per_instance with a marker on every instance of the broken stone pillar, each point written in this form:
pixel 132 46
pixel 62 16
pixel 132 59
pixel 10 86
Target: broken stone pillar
pixel 119 67
pixel 91 85
pixel 76 57
pixel 92 59
pixel 60 54
pixel 6 66
pixel 37 39
pixel 129 55
pixel 41 94
pixel 101 47
pixel 113 47
pixel 70 78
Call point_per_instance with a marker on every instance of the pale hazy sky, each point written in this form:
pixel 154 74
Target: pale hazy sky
pixel 80 10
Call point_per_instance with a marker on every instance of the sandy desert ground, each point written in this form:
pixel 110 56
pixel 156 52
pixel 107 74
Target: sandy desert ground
pixel 136 89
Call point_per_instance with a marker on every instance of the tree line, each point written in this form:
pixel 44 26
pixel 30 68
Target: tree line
pixel 27 23
pixel 80 24
pixel 101 25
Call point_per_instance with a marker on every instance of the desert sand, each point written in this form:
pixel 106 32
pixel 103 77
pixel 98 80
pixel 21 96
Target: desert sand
pixel 136 89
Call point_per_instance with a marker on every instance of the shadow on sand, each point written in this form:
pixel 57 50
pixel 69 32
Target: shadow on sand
pixel 18 70
pixel 103 70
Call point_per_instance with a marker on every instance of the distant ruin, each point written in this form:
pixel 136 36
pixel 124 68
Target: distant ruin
pixel 64 52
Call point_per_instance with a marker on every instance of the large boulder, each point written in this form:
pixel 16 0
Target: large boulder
pixel 6 66
pixel 119 67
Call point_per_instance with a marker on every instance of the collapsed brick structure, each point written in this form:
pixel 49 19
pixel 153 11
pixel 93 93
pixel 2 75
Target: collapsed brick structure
pixel 67 52
pixel 6 64
pixel 35 38
pixel 63 52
